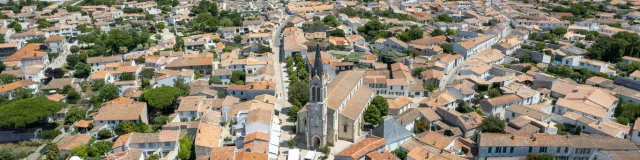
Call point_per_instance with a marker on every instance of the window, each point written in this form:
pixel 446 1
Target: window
pixel 558 150
pixel 489 150
pixel 167 143
pixel 566 149
pixel 344 127
pixel 513 114
pixel 141 145
pixel 511 150
pixel 543 149
pixel 498 150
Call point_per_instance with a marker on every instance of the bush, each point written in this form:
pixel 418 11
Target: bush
pixel 104 134
pixel 49 134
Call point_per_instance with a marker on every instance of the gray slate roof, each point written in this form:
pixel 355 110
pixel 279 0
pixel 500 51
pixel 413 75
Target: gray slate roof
pixel 391 130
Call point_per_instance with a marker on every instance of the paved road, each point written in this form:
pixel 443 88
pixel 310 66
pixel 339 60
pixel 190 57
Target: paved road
pixel 62 58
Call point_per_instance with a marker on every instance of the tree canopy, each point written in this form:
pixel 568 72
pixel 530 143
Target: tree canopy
pixel 492 124
pixel 108 92
pixel 614 48
pixel 382 105
pixel 161 97
pixel 372 115
pixel 387 57
pixel 26 111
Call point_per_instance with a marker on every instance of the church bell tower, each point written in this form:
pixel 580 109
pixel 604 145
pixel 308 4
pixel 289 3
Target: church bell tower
pixel 316 135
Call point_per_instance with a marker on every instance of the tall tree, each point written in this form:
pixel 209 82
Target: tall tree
pixel 382 105
pixel 23 112
pixel 108 92
pixel 82 70
pixel 492 124
pixel 161 97
pixel 387 57
pixel 372 115
pixel 612 49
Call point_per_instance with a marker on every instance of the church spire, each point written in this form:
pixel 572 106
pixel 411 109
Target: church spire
pixel 317 68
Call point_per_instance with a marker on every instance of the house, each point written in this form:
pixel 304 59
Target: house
pixel 111 114
pixel 515 111
pixel 192 107
pixel 440 99
pixel 462 90
pixel 9 89
pixel 408 118
pixel 635 132
pixel 258 120
pixel 59 83
pixel 432 77
pixel 207 139
pixel 597 66
pixel 496 106
pixel 200 64
pixel 469 123
pixel 224 75
pixel 56 44
pixel 250 91
pixel 529 96
pixel 617 155
pixel 391 44
pixel 471 47
pixel 98 63
pixel 498 145
pixel 165 141
pixel 600 81
pixel 66 144
pixel 361 148
pixel 28 55
pixel 168 77
pixel 398 105
pixel 392 132
pixel 588 101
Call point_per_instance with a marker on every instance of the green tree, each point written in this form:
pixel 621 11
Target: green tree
pixel 108 92
pixel 126 77
pixel 16 26
pixel 387 57
pixel 444 18
pixel 421 126
pixel 22 93
pixel 73 95
pixel 51 151
pixel 611 49
pixel 128 127
pixel 446 48
pixel 400 154
pixel 74 115
pixel 298 93
pixel 182 85
pixel 96 85
pixel 337 33
pixel 146 73
pixel 74 49
pixel 417 72
pixel 22 112
pixel 293 113
pixel 526 58
pixel 331 20
pixel 161 97
pixel 559 31
pixel 185 147
pixel 437 32
pixel 82 70
pixel 100 148
pixel 7 78
pixel 160 26
pixel 493 92
pixel 372 115
pixel 492 124
pixel 382 105
pixel 161 120
pixel 214 80
pixel 237 39
pixel 238 77
pixel 49 134
pixel 81 151
pixel 291 143
pixel 72 60
pixel 104 134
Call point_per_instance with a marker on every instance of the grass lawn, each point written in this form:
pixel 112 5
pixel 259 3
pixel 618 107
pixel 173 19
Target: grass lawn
pixel 354 55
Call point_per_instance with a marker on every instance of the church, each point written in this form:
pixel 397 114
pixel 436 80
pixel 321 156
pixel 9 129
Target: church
pixel 335 108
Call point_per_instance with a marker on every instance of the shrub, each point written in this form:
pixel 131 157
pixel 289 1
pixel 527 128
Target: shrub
pixel 49 134
pixel 104 134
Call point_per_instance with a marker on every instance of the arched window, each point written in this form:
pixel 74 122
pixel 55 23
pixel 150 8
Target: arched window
pixel 319 96
pixel 344 127
pixel 313 94
pixel 304 122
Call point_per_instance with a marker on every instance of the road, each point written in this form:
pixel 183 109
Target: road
pixel 62 58
pixel 451 76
